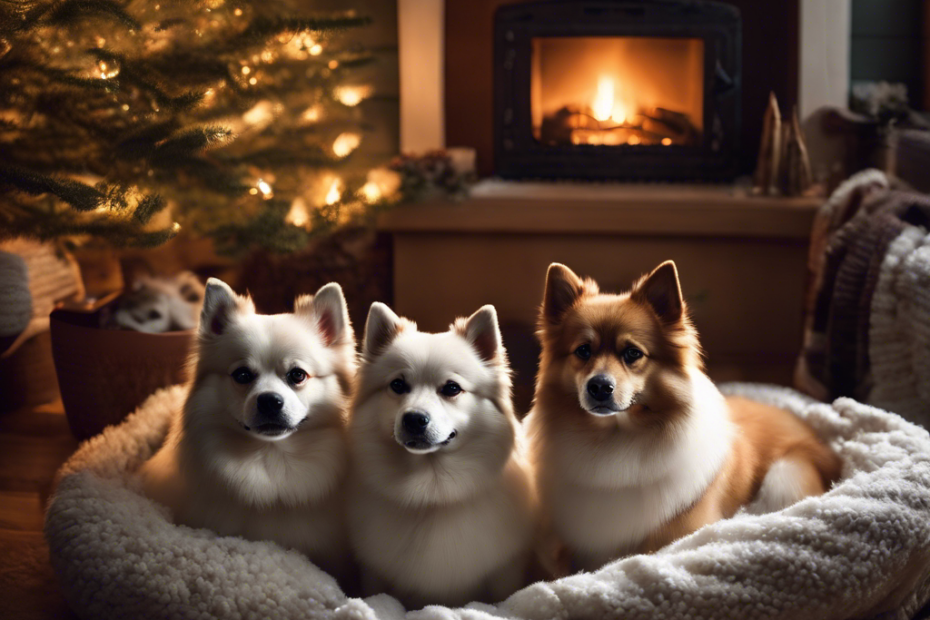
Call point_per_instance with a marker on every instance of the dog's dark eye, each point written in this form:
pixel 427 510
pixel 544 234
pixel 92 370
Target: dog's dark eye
pixel 631 354
pixel 242 375
pixel 399 386
pixel 154 315
pixel 584 352
pixel 296 376
pixel 451 388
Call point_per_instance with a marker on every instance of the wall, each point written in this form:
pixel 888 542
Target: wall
pixel 824 62
pixel 770 63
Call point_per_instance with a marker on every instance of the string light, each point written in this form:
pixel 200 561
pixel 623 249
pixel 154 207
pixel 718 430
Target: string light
pixel 316 49
pixel 107 72
pixel 265 189
pixel 311 114
pixel 333 64
pixel 237 12
pixel 253 81
pixel 380 183
pixel 299 214
pixel 345 143
pixel 351 95
pixel 334 194
pixel 246 70
pixel 260 115
pixel 371 192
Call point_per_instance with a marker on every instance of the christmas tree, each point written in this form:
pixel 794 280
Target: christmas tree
pixel 128 120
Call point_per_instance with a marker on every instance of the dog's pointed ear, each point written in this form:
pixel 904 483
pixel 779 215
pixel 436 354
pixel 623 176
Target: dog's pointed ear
pixel 329 312
pixel 563 288
pixel 220 303
pixel 661 290
pixel 381 328
pixel 481 331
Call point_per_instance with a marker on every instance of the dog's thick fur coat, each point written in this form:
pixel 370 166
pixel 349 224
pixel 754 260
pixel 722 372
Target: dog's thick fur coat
pixel 634 447
pixel 445 517
pixel 217 470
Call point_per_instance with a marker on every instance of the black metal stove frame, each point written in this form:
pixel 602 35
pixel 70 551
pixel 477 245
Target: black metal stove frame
pixel 518 155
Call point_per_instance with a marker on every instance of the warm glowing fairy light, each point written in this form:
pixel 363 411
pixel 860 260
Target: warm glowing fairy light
pixel 237 12
pixel 333 64
pixel 246 70
pixel 351 95
pixel 667 141
pixel 316 49
pixel 253 81
pixel 371 192
pixel 311 114
pixel 345 143
pixel 265 189
pixel 299 214
pixel 107 72
pixel 260 115
pixel 334 194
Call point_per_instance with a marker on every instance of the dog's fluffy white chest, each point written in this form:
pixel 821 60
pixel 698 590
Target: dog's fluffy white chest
pixel 600 524
pixel 605 494
pixel 442 552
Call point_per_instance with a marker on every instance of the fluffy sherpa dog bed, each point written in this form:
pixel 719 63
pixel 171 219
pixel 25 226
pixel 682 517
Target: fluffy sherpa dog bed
pixel 860 551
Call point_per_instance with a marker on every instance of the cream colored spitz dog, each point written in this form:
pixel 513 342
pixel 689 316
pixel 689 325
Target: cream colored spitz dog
pixel 440 501
pixel 259 450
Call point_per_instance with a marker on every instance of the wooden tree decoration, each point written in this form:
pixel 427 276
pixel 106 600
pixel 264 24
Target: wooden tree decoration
pixel 784 167
pixel 766 177
pixel 796 170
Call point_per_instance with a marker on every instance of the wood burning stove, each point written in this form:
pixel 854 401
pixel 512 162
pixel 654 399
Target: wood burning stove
pixel 617 89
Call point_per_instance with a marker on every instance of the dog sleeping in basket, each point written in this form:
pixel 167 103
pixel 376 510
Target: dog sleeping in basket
pixel 388 472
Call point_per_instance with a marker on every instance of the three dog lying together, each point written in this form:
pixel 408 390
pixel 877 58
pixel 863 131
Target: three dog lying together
pixel 409 469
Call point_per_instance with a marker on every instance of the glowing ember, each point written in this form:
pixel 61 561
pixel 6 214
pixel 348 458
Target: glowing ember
pixel 603 105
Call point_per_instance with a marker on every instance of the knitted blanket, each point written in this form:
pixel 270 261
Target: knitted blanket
pixel 862 550
pixel 867 325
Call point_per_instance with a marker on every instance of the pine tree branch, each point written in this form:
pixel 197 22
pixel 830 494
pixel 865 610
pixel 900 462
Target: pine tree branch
pixel 263 28
pixel 80 196
pixel 70 11
pixel 191 141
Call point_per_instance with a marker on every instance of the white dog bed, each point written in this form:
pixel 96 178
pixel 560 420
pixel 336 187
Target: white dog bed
pixel 862 550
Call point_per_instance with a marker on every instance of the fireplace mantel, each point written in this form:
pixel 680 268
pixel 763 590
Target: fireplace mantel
pixel 497 206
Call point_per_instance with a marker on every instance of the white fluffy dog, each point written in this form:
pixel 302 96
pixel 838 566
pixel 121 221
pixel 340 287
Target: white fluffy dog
pixel 440 502
pixel 259 449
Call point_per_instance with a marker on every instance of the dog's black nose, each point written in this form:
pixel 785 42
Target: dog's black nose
pixel 601 388
pixel 270 403
pixel 415 422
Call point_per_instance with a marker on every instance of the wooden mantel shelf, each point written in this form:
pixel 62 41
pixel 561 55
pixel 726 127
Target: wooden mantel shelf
pixel 496 206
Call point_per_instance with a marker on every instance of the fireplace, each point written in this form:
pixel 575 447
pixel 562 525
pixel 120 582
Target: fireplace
pixel 623 89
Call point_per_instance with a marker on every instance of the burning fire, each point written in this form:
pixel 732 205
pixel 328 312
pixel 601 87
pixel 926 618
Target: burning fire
pixel 606 106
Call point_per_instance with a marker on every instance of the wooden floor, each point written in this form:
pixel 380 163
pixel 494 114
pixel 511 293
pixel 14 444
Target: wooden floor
pixel 34 442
